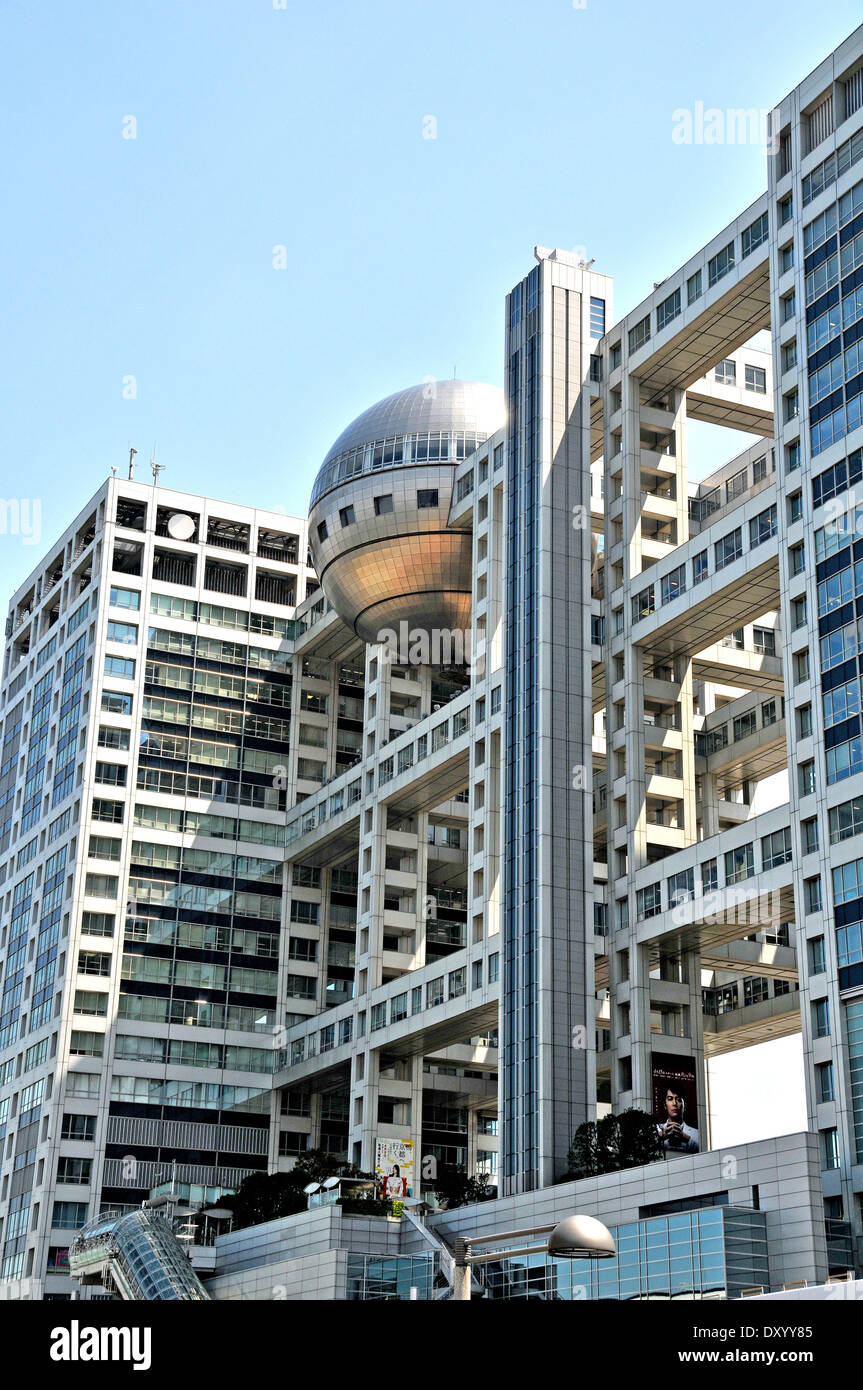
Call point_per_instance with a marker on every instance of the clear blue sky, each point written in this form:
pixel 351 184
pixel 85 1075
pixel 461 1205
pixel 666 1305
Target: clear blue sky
pixel 302 127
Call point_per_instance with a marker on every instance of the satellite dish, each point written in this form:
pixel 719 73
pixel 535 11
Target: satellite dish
pixel 181 527
pixel 330 1182
pixel 311 1187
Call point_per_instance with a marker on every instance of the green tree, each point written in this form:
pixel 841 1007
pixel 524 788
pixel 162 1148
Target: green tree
pixel 582 1160
pixel 315 1165
pixel 613 1143
pixel 608 1144
pixel 454 1188
pixel 640 1140
pixel 265 1197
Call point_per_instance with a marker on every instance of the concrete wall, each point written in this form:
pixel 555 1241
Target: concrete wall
pixel 305 1256
pixel 787 1172
pixel 318 1278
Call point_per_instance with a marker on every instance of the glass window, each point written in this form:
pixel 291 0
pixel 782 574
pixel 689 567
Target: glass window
pixel 817 955
pixel 776 849
pixel 754 236
pixel 120 667
pixel 70 1216
pixel 124 598
pixel 848 882
pixel 729 549
pixel 597 317
pixel 720 264
pixel 809 829
pixel 821 1018
pixel 846 820
pixel 668 310
pixel 434 993
pixel 681 887
pixel 844 760
pixel 764 641
pixel 74 1170
pixel 829 1148
pixel 649 901
pixel 762 527
pixel 122 632
pixel 726 373
pixel 674 584
pixel 709 876
pixel 739 864
pixel 640 334
pixel 115 702
pixel 812 893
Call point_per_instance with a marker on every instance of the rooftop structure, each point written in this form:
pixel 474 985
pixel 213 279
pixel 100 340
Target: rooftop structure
pixel 378 527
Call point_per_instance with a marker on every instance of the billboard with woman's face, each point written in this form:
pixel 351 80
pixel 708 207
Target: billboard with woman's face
pixel 394 1167
pixel 675 1103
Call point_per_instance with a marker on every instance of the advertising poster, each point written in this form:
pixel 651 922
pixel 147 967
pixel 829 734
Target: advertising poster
pixel 394 1167
pixel 675 1102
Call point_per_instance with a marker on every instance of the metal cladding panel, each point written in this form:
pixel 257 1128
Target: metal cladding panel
pixel 382 558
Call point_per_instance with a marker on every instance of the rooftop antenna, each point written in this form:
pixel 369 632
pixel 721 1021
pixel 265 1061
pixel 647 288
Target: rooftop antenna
pixel 114 470
pixel 156 467
pixel 132 453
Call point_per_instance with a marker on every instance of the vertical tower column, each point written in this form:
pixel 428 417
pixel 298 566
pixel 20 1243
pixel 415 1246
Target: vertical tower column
pixel 548 1009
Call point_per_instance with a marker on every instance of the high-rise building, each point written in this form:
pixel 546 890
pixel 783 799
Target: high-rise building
pixel 551 796
pixel 658 754
pixel 147 698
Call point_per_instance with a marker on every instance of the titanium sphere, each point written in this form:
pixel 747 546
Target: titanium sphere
pixel 378 518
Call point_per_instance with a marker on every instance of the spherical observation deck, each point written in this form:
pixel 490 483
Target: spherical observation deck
pixel 378 514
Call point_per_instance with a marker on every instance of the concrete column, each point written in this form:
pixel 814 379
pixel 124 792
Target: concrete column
pixel 363 1118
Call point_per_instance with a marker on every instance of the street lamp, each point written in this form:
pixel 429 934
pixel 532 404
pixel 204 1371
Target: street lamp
pixel 573 1238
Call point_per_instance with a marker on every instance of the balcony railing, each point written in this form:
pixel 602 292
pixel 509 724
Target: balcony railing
pixel 446 933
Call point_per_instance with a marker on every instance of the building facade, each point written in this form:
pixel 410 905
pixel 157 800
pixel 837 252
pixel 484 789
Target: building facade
pixel 552 794
pixel 147 701
pixel 671 876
